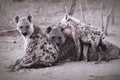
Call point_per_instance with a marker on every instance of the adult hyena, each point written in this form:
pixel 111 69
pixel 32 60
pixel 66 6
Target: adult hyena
pixel 65 43
pixel 56 36
pixel 83 33
pixel 39 49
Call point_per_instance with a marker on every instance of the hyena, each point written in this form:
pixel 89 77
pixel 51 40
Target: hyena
pixel 56 36
pixel 65 43
pixel 83 33
pixel 39 49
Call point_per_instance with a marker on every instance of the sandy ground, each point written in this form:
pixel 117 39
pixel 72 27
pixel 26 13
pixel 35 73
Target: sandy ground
pixel 11 47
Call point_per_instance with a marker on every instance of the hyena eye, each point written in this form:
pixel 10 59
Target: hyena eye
pixel 68 20
pixel 53 37
pixel 59 37
pixel 27 26
pixel 62 29
pixel 20 27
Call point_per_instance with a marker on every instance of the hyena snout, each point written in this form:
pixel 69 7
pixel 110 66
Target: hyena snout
pixel 25 30
pixel 25 33
pixel 57 40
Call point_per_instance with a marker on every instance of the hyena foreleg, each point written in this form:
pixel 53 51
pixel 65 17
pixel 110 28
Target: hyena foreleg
pixel 77 44
pixel 85 52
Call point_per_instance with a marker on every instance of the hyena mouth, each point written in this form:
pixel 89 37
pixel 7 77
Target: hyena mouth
pixel 25 34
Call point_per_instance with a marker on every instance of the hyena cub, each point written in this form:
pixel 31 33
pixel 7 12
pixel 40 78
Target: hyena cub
pixel 40 51
pixel 83 33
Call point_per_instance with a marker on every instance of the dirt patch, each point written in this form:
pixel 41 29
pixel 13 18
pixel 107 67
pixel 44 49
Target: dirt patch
pixel 109 77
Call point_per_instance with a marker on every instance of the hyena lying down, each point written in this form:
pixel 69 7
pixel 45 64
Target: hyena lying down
pixel 40 50
pixel 83 34
pixel 56 36
pixel 65 43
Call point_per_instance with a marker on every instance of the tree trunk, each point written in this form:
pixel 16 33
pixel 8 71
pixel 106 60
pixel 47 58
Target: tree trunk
pixel 83 16
pixel 107 21
pixel 113 18
pixel 1 4
pixel 102 15
pixel 72 8
pixel 86 3
pixel 65 7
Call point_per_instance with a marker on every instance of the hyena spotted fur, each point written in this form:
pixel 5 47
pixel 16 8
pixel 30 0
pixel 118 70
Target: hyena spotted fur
pixel 83 33
pixel 40 51
pixel 56 36
pixel 65 43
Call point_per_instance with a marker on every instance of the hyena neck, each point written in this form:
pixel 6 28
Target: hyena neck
pixel 36 31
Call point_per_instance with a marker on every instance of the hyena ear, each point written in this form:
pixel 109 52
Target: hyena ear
pixel 66 16
pixel 16 19
pixel 48 29
pixel 30 18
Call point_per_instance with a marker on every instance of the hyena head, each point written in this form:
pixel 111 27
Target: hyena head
pixel 68 23
pixel 25 25
pixel 55 34
pixel 64 24
pixel 67 20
